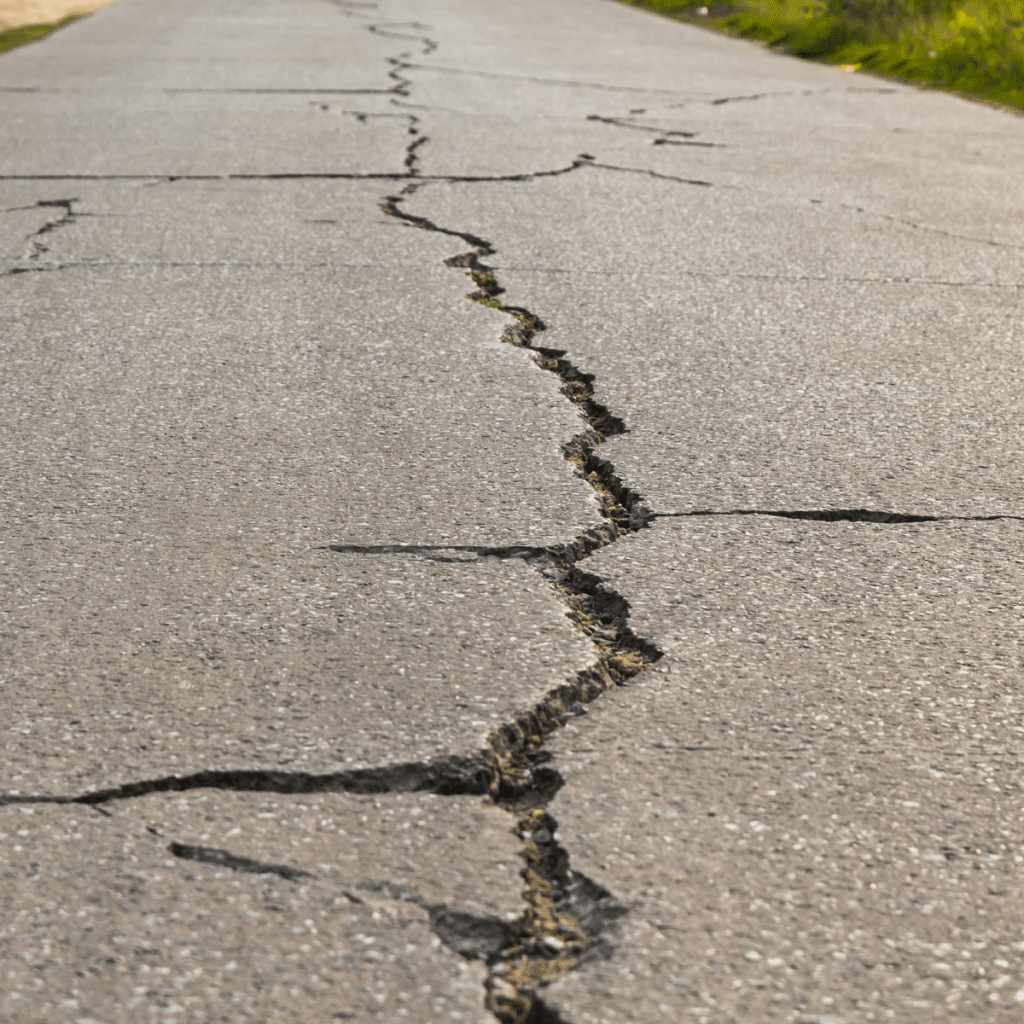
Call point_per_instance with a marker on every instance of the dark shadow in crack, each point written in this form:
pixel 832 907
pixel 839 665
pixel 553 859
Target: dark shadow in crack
pixel 446 776
pixel 541 1013
pixel 436 552
pixel 834 515
pixel 477 937
pixel 244 865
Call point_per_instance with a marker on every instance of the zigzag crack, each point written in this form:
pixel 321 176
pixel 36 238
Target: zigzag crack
pixel 566 911
pixel 429 45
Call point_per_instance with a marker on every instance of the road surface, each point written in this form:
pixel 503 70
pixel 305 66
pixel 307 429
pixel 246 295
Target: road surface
pixel 510 512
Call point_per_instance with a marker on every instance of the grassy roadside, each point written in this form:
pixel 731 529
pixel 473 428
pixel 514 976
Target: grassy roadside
pixel 974 47
pixel 30 33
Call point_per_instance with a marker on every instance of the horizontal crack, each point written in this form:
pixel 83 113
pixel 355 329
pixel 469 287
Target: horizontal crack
pixel 437 552
pixel 447 776
pixel 685 142
pixel 720 101
pixel 840 515
pixel 285 92
pixel 541 81
pixel 620 123
pixel 925 227
pixel 358 176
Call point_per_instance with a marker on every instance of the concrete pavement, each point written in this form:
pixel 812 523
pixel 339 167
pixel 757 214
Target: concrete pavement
pixel 637 641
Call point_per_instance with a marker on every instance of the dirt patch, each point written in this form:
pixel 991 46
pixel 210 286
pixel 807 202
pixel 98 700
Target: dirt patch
pixel 15 13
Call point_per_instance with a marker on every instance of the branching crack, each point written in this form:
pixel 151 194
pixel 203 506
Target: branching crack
pixel 429 45
pixel 36 248
pixel 566 911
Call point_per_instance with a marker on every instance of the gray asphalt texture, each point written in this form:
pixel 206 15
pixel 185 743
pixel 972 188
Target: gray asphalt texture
pixel 316 593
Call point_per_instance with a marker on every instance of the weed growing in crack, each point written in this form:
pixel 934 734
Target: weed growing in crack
pixel 486 282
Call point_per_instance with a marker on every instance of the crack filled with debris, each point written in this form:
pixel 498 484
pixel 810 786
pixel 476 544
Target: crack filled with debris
pixel 566 912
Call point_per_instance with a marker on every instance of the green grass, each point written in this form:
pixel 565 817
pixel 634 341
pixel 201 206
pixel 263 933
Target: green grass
pixel 30 33
pixel 966 46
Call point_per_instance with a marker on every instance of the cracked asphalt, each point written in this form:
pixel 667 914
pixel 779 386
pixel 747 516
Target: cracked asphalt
pixel 509 513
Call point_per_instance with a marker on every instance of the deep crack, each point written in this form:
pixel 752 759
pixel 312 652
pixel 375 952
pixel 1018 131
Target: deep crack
pixel 566 911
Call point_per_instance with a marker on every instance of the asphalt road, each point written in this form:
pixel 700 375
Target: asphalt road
pixel 509 511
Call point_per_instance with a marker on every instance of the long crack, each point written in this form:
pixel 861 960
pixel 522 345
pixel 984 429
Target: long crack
pixel 566 911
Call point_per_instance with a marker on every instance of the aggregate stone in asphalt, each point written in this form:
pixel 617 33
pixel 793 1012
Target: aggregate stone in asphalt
pixel 307 565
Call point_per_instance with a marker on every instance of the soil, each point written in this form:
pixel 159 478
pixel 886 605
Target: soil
pixel 15 13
